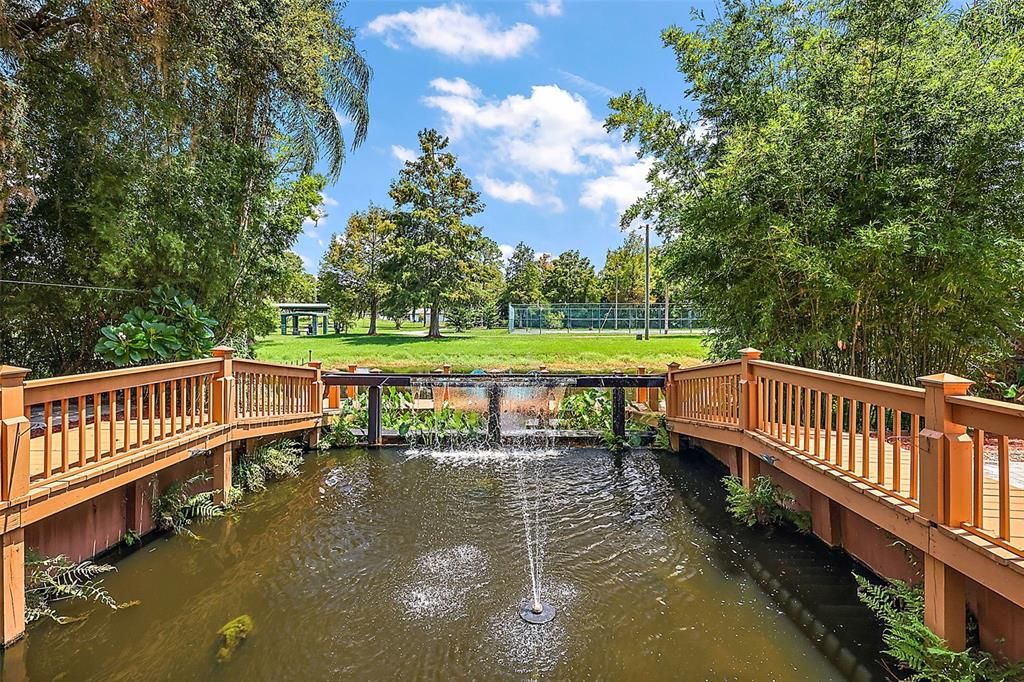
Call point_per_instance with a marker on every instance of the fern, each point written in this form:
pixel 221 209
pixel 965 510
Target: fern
pixel 54 579
pixel 178 506
pixel 916 648
pixel 274 461
pixel 766 503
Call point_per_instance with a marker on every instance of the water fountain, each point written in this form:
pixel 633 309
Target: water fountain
pixel 533 610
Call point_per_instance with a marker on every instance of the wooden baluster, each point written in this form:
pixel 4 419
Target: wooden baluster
pixel 827 415
pixel 47 437
pixel 897 451
pixel 915 434
pixel 127 428
pixel 138 416
pixel 192 402
pixel 1004 487
pixel 97 436
pixel 865 440
pixel 152 412
pixel 840 428
pixel 978 474
pixel 81 430
pixel 807 420
pixel 65 424
pixel 111 423
pixel 880 440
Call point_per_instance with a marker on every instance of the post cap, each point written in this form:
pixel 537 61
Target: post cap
pixel 315 364
pixel 673 366
pixel 11 375
pixel 749 352
pixel 353 368
pixel 947 380
pixel 223 352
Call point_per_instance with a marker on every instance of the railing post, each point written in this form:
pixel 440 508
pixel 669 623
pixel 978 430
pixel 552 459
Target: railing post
pixel 316 403
pixel 945 454
pixel 748 389
pixel 351 391
pixel 750 464
pixel 670 391
pixel 642 393
pixel 223 391
pixel 15 432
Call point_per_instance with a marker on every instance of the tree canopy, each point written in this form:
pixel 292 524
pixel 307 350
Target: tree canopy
pixel 848 192
pixel 162 143
pixel 436 252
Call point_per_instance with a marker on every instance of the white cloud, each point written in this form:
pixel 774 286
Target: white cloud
pixel 506 251
pixel 459 87
pixel 552 130
pixel 519 192
pixel 588 85
pixel 328 201
pixel 624 185
pixel 455 31
pixel 550 8
pixel 401 153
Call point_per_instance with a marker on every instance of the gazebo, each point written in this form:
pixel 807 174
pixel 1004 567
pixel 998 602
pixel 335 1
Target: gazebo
pixel 314 311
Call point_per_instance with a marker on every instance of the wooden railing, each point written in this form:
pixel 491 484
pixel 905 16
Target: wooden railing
pixel 934 450
pixel 63 426
pixel 271 390
pixel 707 393
pixel 84 420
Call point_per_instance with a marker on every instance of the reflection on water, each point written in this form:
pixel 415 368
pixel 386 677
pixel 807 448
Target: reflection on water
pixel 404 564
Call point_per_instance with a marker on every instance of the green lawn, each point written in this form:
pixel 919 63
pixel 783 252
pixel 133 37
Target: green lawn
pixel 409 351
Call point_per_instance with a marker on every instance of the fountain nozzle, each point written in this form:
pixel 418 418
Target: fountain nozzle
pixel 537 612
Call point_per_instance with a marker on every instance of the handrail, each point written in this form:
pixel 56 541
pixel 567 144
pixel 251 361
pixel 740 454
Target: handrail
pixel 936 450
pixel 55 388
pixel 276 368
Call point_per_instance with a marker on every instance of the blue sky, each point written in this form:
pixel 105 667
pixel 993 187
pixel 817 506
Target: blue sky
pixel 521 88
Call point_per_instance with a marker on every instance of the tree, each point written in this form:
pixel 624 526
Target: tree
pixel 851 199
pixel 141 146
pixel 296 285
pixel 571 279
pixel 622 277
pixel 522 278
pixel 436 252
pixel 359 261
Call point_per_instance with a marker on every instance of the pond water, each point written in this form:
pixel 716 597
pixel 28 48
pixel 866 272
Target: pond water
pixel 401 564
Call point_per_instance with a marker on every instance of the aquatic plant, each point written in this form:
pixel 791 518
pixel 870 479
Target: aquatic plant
pixel 662 440
pixel 916 648
pixel 177 507
pixel 273 461
pixel 232 634
pixel 49 580
pixel 619 444
pixel 588 410
pixel 766 503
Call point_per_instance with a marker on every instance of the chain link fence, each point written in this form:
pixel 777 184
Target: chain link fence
pixel 603 318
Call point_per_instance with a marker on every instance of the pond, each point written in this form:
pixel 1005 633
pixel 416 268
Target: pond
pixel 407 564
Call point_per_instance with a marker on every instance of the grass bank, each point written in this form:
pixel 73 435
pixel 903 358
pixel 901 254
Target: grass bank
pixel 408 350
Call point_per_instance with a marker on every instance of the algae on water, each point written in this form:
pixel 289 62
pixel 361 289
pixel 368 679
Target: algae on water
pixel 233 634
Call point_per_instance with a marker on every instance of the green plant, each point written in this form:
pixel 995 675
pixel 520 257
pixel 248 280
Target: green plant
pixel 232 634
pixel 619 444
pixel 337 433
pixel 916 648
pixel 49 580
pixel 662 440
pixel 586 410
pixel 766 503
pixel 130 538
pixel 273 461
pixel 177 507
pixel 174 328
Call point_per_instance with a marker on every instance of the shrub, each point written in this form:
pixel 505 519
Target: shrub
pixel 916 648
pixel 271 462
pixel 766 503
pixel 178 506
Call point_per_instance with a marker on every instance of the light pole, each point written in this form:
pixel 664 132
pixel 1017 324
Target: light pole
pixel 647 282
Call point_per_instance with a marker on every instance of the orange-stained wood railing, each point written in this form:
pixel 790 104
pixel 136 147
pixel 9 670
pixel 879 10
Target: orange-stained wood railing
pixel 935 450
pixel 57 427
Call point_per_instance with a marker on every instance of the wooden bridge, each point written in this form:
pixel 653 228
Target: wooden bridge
pixel 929 465
pixel 70 439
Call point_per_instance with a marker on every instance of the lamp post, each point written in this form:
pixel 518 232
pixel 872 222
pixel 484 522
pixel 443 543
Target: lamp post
pixel 647 282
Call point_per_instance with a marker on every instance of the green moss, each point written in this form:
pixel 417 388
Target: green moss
pixel 232 635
